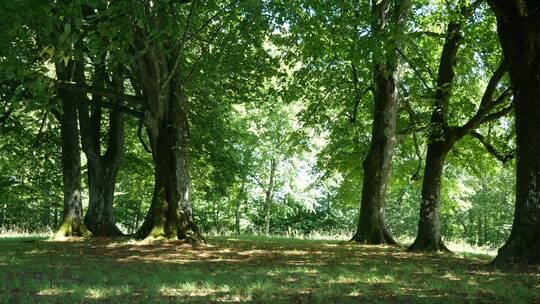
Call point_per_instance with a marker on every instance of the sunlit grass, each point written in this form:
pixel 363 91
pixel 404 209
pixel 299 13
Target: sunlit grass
pixel 249 269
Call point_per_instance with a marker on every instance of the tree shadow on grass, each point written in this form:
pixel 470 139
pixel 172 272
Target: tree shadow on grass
pixel 105 271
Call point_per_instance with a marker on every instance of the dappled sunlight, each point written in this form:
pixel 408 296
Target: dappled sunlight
pixel 52 292
pixel 243 270
pixel 451 276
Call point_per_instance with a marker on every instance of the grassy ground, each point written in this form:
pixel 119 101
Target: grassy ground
pixel 250 270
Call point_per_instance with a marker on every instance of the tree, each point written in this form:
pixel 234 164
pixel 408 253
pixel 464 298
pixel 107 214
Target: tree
pixel 518 24
pixel 443 137
pixel 72 223
pixel 387 25
pixel 102 168
pixel 170 45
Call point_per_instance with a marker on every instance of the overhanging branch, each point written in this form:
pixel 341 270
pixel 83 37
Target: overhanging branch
pixel 503 158
pixel 99 92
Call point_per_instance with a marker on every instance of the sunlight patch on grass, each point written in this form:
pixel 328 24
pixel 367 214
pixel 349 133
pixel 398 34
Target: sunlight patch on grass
pixel 451 277
pixel 472 281
pixel 380 279
pixel 97 293
pixel 298 252
pixel 51 292
pixel 343 280
pixel 293 270
pixel 193 289
pixel 463 247
pixel 277 271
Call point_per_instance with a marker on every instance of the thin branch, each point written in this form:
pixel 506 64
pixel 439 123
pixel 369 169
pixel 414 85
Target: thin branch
pixel 183 41
pixel 207 22
pixel 503 158
pixel 116 107
pixel 140 136
pixel 487 103
pixel 257 180
pixel 416 175
pixel 203 52
pixel 498 115
pixel 39 136
pixel 358 94
pixel 6 115
pixel 427 34
pixel 416 71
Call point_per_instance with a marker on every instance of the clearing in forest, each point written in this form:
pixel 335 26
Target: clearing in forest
pixel 250 270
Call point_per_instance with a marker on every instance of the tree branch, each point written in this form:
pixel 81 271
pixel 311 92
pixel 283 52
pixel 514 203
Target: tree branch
pixel 99 92
pixel 6 115
pixel 503 158
pixel 498 115
pixel 487 103
pixel 140 136
pixel 416 71
pixel 427 33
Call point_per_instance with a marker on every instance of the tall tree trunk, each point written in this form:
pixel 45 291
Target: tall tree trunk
pixel 377 165
pixel 170 215
pixel 72 222
pixel 519 33
pixel 443 137
pixel 429 236
pixel 102 169
pixel 237 211
pixel 269 197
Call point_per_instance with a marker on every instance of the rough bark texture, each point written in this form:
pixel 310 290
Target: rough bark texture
pixel 429 236
pixel 371 227
pixel 519 33
pixel 443 137
pixel 72 223
pixel 102 169
pixel 170 215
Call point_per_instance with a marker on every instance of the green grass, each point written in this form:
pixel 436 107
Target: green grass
pixel 250 269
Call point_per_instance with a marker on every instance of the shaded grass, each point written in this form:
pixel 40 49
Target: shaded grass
pixel 276 270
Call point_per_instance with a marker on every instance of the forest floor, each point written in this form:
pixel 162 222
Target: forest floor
pixel 256 270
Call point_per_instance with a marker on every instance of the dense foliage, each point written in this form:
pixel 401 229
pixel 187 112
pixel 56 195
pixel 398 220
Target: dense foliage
pixel 280 111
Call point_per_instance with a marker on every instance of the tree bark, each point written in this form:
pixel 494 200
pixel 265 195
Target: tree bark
pixel 429 236
pixel 102 169
pixel 102 173
pixel 443 137
pixel 72 222
pixel 519 33
pixel 377 165
pixel 170 215
pixel 269 197
pixel 237 211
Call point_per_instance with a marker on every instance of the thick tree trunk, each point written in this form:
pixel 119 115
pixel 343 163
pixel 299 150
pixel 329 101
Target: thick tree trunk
pixel 101 184
pixel 377 165
pixel 102 169
pixel 72 222
pixel 429 236
pixel 170 215
pixel 102 173
pixel 378 162
pixel 441 140
pixel 519 33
